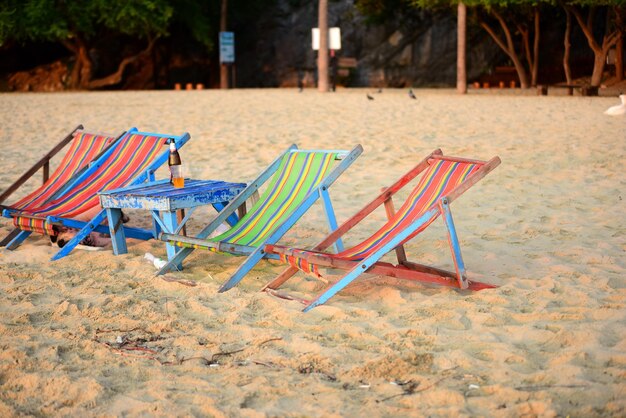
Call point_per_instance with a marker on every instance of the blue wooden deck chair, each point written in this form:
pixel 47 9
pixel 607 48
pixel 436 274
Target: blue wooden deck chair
pixel 443 179
pixel 130 160
pixel 295 181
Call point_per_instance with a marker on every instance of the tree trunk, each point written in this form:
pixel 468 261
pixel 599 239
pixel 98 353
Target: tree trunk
pixel 322 57
pixel 535 66
pixel 567 47
pixel 81 73
pixel 600 51
pixel 223 26
pixel 598 69
pixel 508 47
pixel 619 45
pixel 461 48
pixel 85 68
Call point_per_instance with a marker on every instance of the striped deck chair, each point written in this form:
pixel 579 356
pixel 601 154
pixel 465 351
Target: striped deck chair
pixel 443 180
pixel 295 181
pixel 133 159
pixel 83 149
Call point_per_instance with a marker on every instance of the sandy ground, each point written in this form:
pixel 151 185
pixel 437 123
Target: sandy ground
pixel 547 226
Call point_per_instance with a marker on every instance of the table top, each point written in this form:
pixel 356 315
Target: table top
pixel 162 195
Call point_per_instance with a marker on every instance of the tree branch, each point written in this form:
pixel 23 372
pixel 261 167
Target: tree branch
pixel 586 29
pixel 116 77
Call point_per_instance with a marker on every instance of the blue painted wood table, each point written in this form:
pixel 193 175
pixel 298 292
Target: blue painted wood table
pixel 163 200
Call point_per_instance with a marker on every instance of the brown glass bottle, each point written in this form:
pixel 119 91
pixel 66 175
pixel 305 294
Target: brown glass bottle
pixel 175 164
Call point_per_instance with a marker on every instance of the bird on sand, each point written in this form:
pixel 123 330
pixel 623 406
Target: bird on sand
pixel 617 109
pixel 411 95
pixel 369 97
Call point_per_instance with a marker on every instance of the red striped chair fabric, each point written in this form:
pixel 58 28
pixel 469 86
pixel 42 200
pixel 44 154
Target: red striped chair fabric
pixel 441 177
pixel 132 156
pixel 84 147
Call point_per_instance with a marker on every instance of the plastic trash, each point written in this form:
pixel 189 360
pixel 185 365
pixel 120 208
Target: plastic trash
pixel 618 109
pixel 158 263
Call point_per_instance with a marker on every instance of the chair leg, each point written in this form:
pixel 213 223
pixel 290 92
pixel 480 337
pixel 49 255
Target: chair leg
pixel 332 290
pixel 455 246
pixel 280 279
pixel 369 261
pixel 81 235
pixel 243 269
pixel 175 261
pixel 9 237
pixel 19 238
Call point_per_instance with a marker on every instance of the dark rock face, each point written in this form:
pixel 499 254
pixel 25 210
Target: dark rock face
pixel 417 50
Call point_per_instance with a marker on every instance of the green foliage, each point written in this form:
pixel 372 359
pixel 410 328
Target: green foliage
pixel 197 17
pixel 139 17
pixel 61 20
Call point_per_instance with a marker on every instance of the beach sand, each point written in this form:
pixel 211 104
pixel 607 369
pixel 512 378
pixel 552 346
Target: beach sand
pixel 547 226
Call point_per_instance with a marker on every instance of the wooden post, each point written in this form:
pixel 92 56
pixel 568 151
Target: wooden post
pixel 322 56
pixel 461 40
pixel 46 171
pixel 223 25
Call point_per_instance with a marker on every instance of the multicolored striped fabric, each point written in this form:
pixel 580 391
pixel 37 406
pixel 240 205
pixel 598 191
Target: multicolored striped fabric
pixel 297 174
pixel 301 264
pixel 441 177
pixel 84 147
pixel 132 155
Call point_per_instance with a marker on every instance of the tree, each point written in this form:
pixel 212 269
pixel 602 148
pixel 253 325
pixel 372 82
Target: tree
pixel 503 20
pixel 79 24
pixel 515 17
pixel 609 36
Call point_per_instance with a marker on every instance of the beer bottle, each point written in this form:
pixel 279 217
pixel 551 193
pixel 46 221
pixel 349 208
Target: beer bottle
pixel 175 164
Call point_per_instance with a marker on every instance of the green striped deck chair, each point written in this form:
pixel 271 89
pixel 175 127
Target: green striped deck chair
pixel 84 147
pixel 443 179
pixel 130 160
pixel 294 183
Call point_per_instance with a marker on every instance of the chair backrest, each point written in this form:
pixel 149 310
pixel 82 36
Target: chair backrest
pixel 442 176
pixel 299 173
pixel 84 148
pixel 123 165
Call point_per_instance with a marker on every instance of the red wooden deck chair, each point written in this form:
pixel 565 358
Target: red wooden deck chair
pixel 131 160
pixel 443 180
pixel 83 149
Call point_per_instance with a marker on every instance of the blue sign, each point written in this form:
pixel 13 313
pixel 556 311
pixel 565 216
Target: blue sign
pixel 227 47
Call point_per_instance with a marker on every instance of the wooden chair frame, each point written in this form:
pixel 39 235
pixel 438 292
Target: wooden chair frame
pixel 371 264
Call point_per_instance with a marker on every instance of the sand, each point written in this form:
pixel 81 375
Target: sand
pixel 547 226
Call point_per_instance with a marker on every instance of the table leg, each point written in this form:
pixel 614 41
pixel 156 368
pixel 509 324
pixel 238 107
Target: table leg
pixel 156 228
pixel 232 219
pixel 180 216
pixel 170 221
pixel 116 229
pixel 242 210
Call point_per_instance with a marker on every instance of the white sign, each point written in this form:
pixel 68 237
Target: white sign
pixel 227 47
pixel 334 38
